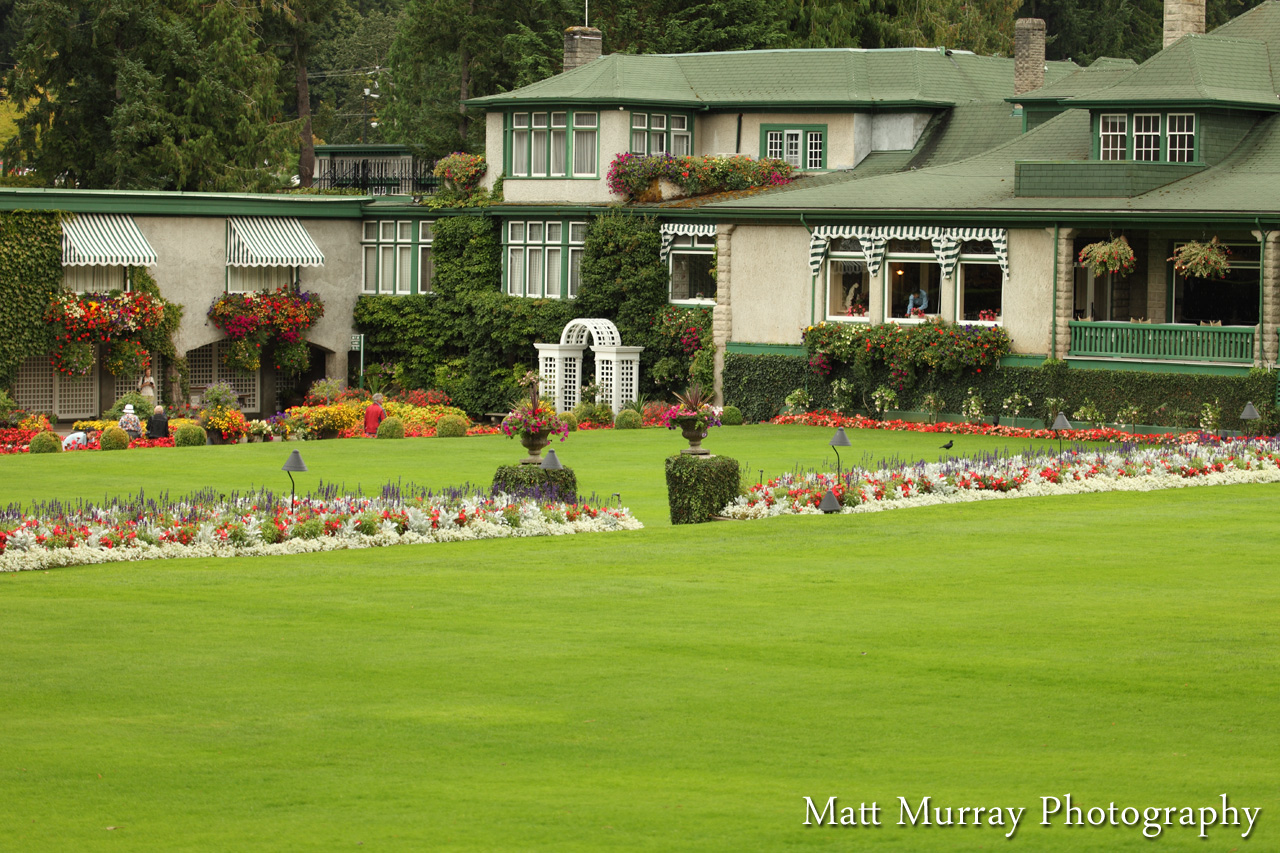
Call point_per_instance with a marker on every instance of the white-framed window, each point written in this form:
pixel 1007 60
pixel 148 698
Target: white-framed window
pixel 913 281
pixel 520 145
pixel 804 147
pixel 541 256
pixel 692 265
pixel 260 279
pixel 979 284
pixel 1181 137
pixel 1146 137
pixel 1114 130
pixel 681 136
pixel 539 161
pixel 848 281
pixel 661 133
pixel 397 261
pixel 584 144
pixel 95 279
pixel 639 133
pixel 559 144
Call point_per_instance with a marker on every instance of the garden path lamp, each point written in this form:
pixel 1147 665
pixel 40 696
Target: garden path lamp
pixel 1250 413
pixel 1059 424
pixel 831 503
pixel 294 463
pixel 551 462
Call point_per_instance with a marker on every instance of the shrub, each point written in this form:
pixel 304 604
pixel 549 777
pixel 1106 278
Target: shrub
pixel 699 487
pixel 46 442
pixel 220 395
pixel 533 482
pixel 598 414
pixel 570 420
pixel 141 407
pixel 628 419
pixel 451 426
pixel 731 416
pixel 391 428
pixel 189 435
pixel 114 438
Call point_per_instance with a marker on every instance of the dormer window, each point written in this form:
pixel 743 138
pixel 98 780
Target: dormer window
pixel 1182 137
pixel 1115 137
pixel 1147 137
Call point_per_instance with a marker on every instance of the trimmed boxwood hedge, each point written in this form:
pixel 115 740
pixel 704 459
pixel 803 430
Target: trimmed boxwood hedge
pixel 757 384
pixel 532 481
pixel 392 427
pixel 46 442
pixel 698 487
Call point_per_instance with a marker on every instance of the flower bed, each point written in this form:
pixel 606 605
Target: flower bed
pixel 1024 475
pixel 203 525
pixel 835 419
pixel 630 175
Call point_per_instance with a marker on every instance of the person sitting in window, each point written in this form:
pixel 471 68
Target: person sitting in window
pixel 918 300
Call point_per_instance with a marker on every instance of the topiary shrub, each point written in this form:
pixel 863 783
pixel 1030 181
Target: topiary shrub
pixel 530 481
pixel 46 442
pixel 451 426
pixel 114 438
pixel 699 487
pixel 190 435
pixel 570 420
pixel 393 428
pixel 731 416
pixel 628 419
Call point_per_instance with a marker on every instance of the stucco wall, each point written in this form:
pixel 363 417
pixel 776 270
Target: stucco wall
pixel 897 131
pixel 771 283
pixel 718 134
pixel 1028 293
pixel 492 149
pixel 614 138
pixel 191 259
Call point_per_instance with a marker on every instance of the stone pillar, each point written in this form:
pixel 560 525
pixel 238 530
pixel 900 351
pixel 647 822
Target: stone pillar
pixel 1157 278
pixel 722 314
pixel 875 299
pixel 1028 55
pixel 1182 17
pixel 581 45
pixel 1269 350
pixel 1066 282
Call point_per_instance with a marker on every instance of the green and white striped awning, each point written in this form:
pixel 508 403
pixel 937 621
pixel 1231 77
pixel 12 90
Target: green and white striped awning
pixel 672 230
pixel 106 240
pixel 270 241
pixel 874 239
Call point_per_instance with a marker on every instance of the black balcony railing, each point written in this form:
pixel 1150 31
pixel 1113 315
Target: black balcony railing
pixel 374 177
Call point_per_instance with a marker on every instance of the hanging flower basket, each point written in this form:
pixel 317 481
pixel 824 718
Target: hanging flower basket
pixel 293 358
pixel 244 356
pixel 1113 256
pixel 1202 260
pixel 73 358
pixel 126 358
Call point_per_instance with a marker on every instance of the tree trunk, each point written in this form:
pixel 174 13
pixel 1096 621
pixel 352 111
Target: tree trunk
pixel 307 154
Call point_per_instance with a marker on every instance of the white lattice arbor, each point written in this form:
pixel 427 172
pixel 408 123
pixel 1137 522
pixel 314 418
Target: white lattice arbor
pixel 617 367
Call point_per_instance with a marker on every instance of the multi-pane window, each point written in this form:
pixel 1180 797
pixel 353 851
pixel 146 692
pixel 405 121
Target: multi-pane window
pixel 660 133
pixel 980 283
pixel 1146 137
pixel 542 256
pixel 913 279
pixel 94 279
pixel 397 261
pixel 693 261
pixel 848 280
pixel 1115 137
pixel 260 279
pixel 1182 137
pixel 541 145
pixel 802 147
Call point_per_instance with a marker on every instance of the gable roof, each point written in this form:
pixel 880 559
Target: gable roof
pixel 792 79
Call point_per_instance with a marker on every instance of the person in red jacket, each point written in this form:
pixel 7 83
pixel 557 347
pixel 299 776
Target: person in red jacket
pixel 374 415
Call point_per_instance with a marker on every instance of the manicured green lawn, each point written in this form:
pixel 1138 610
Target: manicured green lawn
pixel 667 689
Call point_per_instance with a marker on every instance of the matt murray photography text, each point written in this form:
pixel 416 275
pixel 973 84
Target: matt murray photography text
pixel 1052 811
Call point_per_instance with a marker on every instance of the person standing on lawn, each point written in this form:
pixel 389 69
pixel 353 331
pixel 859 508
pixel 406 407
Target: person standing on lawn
pixel 374 415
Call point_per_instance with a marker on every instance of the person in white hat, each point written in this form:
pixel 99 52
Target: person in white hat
pixel 129 422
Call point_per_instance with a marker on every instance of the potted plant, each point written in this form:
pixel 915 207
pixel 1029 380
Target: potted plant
pixel 1113 256
pixel 693 415
pixel 1202 260
pixel 535 421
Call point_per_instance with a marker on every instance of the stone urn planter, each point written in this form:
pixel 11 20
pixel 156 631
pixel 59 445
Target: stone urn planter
pixel 693 434
pixel 534 442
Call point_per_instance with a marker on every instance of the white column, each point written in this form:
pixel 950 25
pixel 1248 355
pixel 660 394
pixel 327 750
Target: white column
pixel 561 368
pixel 618 372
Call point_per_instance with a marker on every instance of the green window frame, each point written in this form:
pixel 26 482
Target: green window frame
pixel 804 146
pixel 396 257
pixel 542 258
pixel 560 144
pixel 661 133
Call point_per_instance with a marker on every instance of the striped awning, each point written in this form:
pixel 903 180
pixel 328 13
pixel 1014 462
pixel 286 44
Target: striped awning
pixel 102 239
pixel 672 230
pixel 874 238
pixel 270 241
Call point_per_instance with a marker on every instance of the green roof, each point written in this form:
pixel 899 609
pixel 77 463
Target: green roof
pixel 1196 69
pixel 1104 72
pixel 782 79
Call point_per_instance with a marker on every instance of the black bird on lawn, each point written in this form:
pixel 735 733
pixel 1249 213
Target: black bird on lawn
pixel 949 445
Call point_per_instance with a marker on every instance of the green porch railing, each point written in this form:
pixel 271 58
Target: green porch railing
pixel 1162 342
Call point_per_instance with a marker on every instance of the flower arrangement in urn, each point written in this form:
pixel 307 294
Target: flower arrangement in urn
pixel 534 420
pixel 693 415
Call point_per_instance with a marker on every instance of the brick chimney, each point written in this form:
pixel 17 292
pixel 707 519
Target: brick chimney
pixel 1182 17
pixel 1028 55
pixel 581 45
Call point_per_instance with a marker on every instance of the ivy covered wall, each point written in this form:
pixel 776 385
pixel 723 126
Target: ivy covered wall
pixel 30 276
